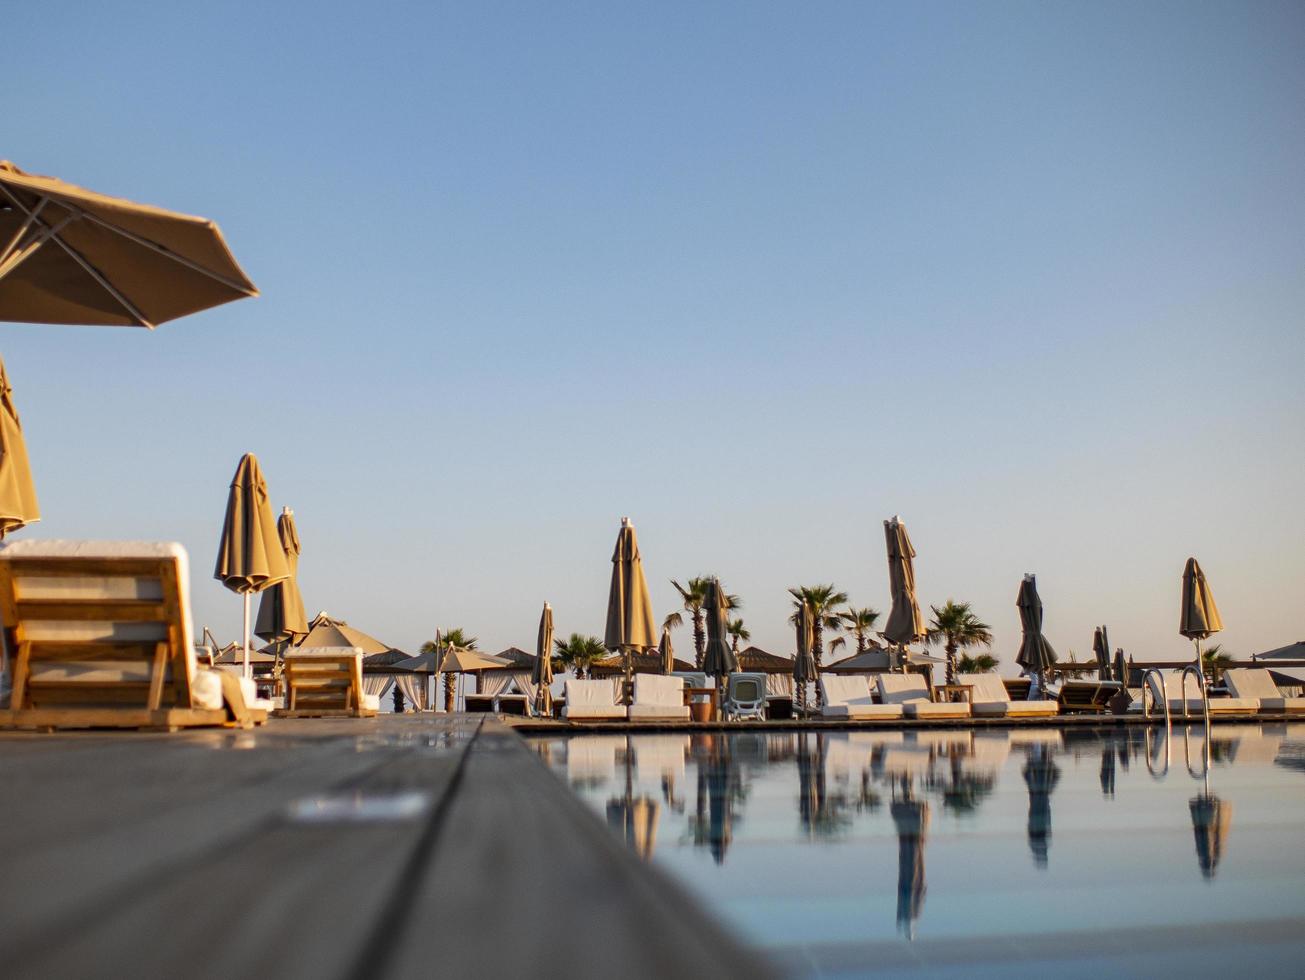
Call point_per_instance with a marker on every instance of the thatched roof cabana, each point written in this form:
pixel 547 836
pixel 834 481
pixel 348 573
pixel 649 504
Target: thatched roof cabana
pixel 643 663
pixel 754 660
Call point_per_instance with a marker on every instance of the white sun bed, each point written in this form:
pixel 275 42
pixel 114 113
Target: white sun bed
pixel 1257 683
pixel 848 696
pixel 593 700
pixel 989 699
pixel 911 692
pixel 656 697
pixel 1172 682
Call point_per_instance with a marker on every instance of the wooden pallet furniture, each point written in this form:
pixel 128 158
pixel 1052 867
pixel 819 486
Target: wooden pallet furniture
pixel 326 682
pixel 98 636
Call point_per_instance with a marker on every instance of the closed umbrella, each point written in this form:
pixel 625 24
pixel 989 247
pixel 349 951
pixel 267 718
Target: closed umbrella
pixel 1101 648
pixel 1121 668
pixel 1036 655
pixel 541 674
pixel 911 821
pixel 281 608
pixel 905 621
pixel 804 664
pixel 1199 616
pixel 1041 774
pixel 70 255
pixel 1211 822
pixel 18 506
pixel 250 555
pixel 718 660
pixel 666 652
pixel 629 607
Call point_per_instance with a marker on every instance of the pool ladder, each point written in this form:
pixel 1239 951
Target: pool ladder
pixel 1148 694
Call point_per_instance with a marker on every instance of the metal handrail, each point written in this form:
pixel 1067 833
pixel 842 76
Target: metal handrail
pixel 1148 690
pixel 1200 686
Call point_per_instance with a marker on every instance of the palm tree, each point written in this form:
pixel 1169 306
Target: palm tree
pixel 694 594
pixel 822 600
pixel 859 622
pixel 456 637
pixel 957 628
pixel 737 631
pixel 976 663
pixel 1214 661
pixel 578 652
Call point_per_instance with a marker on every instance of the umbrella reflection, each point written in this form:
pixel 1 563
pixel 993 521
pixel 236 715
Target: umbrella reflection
pixel 1211 822
pixel 818 810
pixel 1108 770
pixel 1041 774
pixel 911 819
pixel 718 787
pixel 635 819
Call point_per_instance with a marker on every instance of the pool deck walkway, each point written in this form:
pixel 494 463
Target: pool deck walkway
pixel 394 847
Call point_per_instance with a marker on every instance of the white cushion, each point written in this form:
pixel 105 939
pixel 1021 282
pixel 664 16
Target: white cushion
pixel 593 711
pixel 656 689
pixel 927 709
pixel 1014 709
pixel 371 702
pixel 861 711
pixel 1247 682
pixel 206 690
pixel 659 711
pixel 902 688
pixel 845 689
pixel 591 694
pixel 986 687
pixel 1282 704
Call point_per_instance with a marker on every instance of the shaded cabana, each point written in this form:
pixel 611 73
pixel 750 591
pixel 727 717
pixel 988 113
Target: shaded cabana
pixel 649 662
pixel 778 670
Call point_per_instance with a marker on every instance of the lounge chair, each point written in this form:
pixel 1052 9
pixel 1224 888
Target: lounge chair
pixel 1088 696
pixel 658 697
pixel 988 699
pixel 478 703
pixel 1257 683
pixel 326 682
pixel 848 696
pixel 1172 681
pixel 100 637
pixel 911 691
pixel 745 696
pixel 592 700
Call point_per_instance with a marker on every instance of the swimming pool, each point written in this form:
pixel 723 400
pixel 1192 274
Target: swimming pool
pixel 993 852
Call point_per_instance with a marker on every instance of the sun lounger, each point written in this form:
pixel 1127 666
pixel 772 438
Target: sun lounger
pixel 100 637
pixel 988 699
pixel 1088 696
pixel 593 700
pixel 911 691
pixel 745 696
pixel 326 682
pixel 848 696
pixel 478 703
pixel 1256 683
pixel 658 697
pixel 1173 691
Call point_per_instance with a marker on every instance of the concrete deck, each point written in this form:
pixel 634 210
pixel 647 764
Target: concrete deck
pixel 394 847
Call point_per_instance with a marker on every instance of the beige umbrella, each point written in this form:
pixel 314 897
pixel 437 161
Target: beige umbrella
pixel 1199 617
pixel 69 255
pixel 905 621
pixel 1211 822
pixel 666 652
pixel 281 608
pixel 542 673
pixel 18 506
pixel 250 556
pixel 629 607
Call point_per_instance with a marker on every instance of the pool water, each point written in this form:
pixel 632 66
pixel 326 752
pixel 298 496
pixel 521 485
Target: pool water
pixel 993 853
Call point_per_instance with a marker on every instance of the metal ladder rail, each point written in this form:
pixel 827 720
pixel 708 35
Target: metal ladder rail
pixel 1200 686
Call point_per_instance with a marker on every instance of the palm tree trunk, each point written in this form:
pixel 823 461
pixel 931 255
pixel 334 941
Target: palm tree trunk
pixel 817 653
pixel 951 661
pixel 860 642
pixel 450 692
pixel 699 638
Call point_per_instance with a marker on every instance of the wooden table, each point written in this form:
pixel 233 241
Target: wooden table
pixel 713 702
pixel 966 691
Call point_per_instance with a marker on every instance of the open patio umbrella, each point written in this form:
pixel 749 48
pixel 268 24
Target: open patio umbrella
pixel 804 664
pixel 250 555
pixel 281 607
pixel 911 820
pixel 629 607
pixel 18 506
pixel 718 659
pixel 69 255
pixel 1199 617
pixel 666 652
pixel 905 622
pixel 541 674
pixel 1101 648
pixel 1036 655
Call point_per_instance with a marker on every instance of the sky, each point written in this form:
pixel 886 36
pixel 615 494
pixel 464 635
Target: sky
pixel 756 275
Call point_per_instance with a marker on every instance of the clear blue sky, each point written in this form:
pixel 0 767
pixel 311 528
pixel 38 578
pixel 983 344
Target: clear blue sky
pixel 757 275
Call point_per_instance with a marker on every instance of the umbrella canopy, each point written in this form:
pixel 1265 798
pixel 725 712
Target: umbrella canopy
pixel 905 621
pixel 718 658
pixel 1292 651
pixel 18 506
pixel 804 664
pixel 1211 821
pixel 325 631
pixel 1199 616
pixel 281 608
pixel 250 555
pixel 1036 654
pixel 459 660
pixel 629 607
pixel 74 256
pixel 1101 648
pixel 666 652
pixel 541 674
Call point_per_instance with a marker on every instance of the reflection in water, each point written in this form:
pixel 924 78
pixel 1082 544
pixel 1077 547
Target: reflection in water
pixel 1211 821
pixel 719 787
pixel 1107 776
pixel 1041 775
pixel 911 819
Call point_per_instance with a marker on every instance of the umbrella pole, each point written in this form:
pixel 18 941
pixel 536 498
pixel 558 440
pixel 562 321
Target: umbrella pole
pixel 246 664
